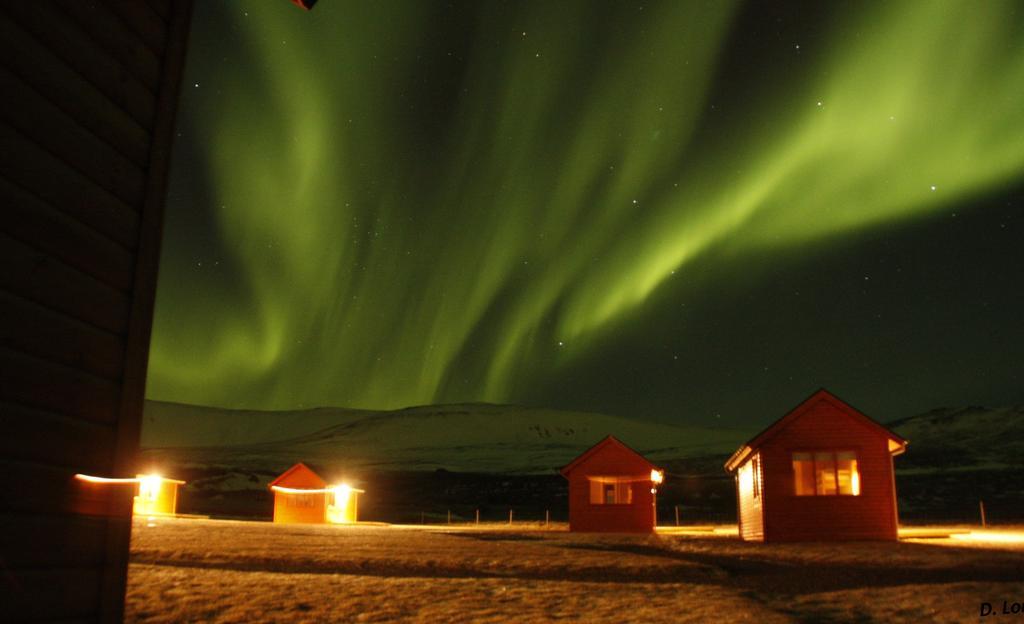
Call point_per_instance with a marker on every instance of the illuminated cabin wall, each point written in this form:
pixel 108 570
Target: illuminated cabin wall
pixel 611 460
pixel 156 497
pixel 343 506
pixel 89 98
pixel 300 507
pixel 309 508
pixel 829 425
pixel 749 505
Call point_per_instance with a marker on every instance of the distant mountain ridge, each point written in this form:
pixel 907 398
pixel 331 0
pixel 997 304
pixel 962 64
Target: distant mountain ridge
pixel 963 438
pixel 461 437
pixel 514 439
pixel 956 456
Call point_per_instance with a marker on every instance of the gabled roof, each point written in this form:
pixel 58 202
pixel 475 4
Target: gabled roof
pixel 609 440
pixel 298 470
pixel 896 443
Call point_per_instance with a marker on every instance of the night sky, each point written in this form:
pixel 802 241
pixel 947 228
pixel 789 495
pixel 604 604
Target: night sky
pixel 693 212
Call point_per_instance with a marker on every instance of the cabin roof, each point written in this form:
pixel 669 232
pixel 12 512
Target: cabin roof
pixel 897 444
pixel 295 471
pixel 597 448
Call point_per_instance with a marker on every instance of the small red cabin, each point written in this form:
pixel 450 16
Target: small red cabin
pixel 612 489
pixel 821 472
pixel 302 496
pixel 299 496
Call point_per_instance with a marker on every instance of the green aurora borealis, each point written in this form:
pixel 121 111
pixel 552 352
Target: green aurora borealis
pixel 670 210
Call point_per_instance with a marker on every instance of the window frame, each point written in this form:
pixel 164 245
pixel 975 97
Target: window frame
pixel 625 483
pixel 834 452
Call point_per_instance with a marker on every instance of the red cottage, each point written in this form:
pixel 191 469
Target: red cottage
pixel 300 496
pixel 612 489
pixel 821 472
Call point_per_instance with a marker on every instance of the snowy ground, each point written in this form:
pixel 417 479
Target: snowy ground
pixel 186 570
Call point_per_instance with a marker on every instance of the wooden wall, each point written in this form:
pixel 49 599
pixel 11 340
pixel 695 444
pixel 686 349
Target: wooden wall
pixel 300 508
pixel 827 425
pixel 611 459
pixel 89 96
pixel 749 509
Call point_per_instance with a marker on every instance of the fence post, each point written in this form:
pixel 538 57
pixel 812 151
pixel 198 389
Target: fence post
pixel 981 506
pixel 547 517
pixel 677 515
pixel 510 517
pixel 478 516
pixel 449 516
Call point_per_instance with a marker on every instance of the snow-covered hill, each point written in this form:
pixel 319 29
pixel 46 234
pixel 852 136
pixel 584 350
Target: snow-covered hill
pixel 956 457
pixel 962 438
pixel 467 438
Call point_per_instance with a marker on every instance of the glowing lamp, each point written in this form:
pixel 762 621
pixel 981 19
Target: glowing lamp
pixel 345 507
pixel 657 476
pixel 157 495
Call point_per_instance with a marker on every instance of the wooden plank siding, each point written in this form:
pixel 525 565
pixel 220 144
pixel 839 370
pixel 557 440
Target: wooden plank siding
pixel 42 436
pixel 39 277
pixel 39 172
pixel 750 510
pixel 67 89
pixel 37 383
pixel 53 130
pixel 871 515
pixel 143 21
pixel 53 595
pixel 610 458
pixel 52 540
pixel 114 36
pixel 66 341
pixel 61 36
pixel 50 230
pixel 821 424
pixel 85 130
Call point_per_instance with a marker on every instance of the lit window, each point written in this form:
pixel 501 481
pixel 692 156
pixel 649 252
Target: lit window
pixel 803 474
pixel 610 491
pixel 847 474
pixel 826 473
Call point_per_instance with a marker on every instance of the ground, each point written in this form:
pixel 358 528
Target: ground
pixel 192 570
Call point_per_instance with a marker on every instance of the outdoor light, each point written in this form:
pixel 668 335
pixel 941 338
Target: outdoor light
pixel 92 479
pixel 149 486
pixel 344 510
pixel 288 490
pixel 341 493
